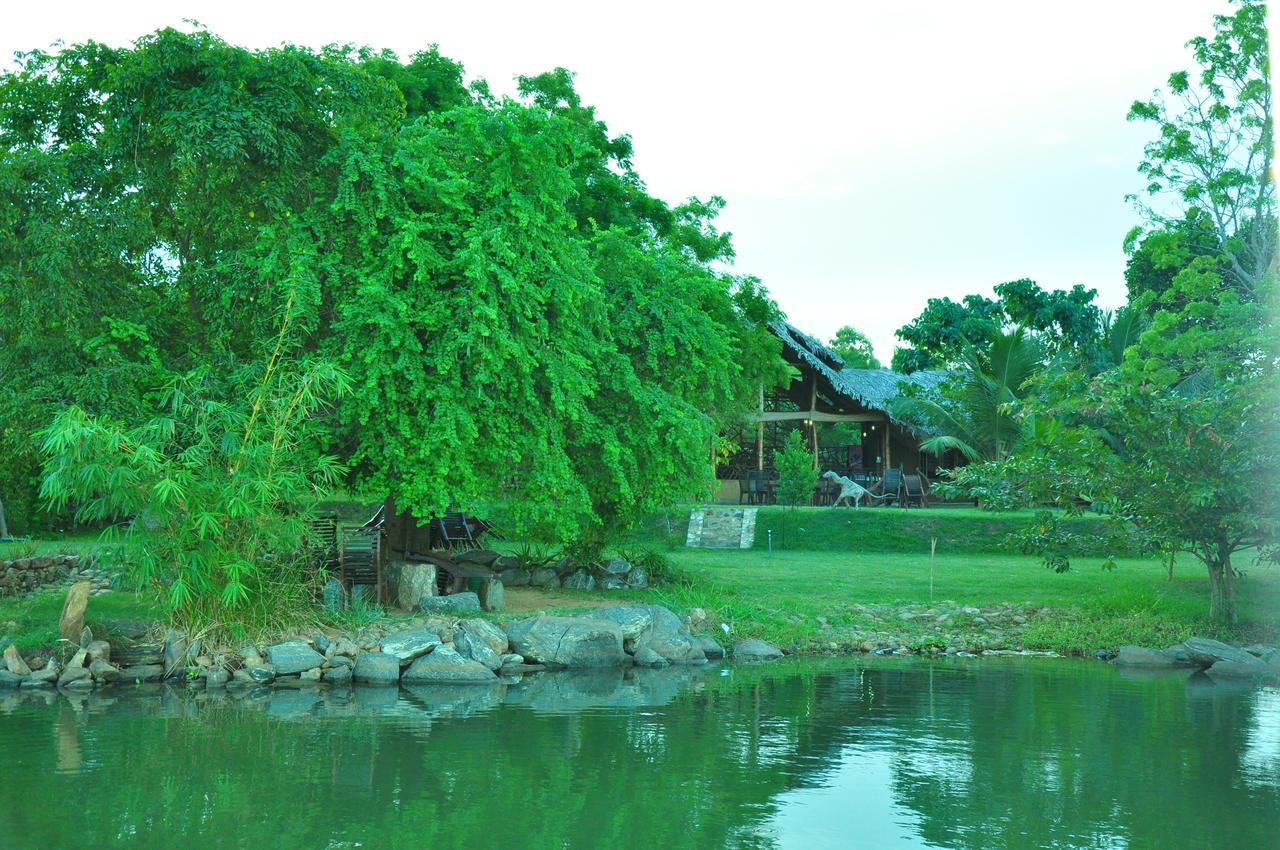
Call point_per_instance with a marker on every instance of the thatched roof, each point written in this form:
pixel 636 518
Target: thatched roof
pixel 877 387
pixel 871 388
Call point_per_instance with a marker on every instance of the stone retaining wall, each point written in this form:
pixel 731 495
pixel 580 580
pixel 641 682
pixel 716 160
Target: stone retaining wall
pixel 23 575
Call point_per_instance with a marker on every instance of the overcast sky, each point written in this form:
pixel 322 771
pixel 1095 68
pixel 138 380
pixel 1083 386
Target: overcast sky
pixel 873 155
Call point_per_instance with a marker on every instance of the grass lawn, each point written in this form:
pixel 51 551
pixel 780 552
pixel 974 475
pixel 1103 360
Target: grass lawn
pixel 783 595
pixel 33 622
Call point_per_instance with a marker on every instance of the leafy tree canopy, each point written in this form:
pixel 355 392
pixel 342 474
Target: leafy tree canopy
pixel 520 320
pixel 853 346
pixel 1215 144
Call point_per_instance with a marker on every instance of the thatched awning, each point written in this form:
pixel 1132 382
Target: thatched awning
pixel 871 389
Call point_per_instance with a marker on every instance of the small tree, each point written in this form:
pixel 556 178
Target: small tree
pixel 797 476
pixel 215 492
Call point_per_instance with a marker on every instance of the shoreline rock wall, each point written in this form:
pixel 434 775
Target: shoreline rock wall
pixel 427 650
pixel 23 576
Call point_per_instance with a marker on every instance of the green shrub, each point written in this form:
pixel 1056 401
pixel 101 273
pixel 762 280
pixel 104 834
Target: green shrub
pixel 211 493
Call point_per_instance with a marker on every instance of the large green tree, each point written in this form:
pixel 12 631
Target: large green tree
pixel 1181 439
pixel 1214 146
pixel 522 322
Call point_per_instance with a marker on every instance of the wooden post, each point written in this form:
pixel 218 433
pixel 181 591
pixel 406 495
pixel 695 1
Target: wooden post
pixel 813 424
pixel 760 433
pixel 886 445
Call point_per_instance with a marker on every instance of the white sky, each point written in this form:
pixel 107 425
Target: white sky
pixel 873 155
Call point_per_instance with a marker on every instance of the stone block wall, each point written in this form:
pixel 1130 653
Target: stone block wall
pixel 23 575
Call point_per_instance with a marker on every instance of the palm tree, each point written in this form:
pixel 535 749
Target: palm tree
pixel 976 417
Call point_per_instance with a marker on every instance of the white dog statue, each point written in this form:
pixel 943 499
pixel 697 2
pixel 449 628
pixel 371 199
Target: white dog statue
pixel 850 489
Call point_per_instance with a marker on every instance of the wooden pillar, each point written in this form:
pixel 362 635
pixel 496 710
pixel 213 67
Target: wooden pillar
pixel 760 433
pixel 813 425
pixel 887 461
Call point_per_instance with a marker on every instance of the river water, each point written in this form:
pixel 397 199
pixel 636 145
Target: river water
pixel 878 754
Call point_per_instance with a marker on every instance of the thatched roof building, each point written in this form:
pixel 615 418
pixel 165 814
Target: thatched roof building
pixel 825 393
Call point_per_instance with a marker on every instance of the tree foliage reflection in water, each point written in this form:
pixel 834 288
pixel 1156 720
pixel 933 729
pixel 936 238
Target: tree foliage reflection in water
pixel 985 755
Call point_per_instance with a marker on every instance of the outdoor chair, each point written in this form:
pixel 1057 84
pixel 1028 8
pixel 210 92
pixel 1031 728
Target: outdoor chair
pixel 452 531
pixel 913 491
pixel 891 486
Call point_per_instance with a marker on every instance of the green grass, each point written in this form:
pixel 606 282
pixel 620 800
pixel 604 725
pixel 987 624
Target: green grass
pixel 33 623
pixel 781 597
pixel 890 529
pixel 79 543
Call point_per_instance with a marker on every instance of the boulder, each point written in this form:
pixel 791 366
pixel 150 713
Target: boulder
pixel 632 621
pixel 73 674
pixel 755 650
pixel 447 666
pixel 474 648
pixel 710 648
pixel 654 627
pixel 454 602
pixel 646 657
pixel 409 583
pixel 71 623
pixel 46 675
pixel 563 567
pixel 515 577
pixel 580 580
pixel 98 649
pixel 638 578
pixel 1206 652
pixel 339 675
pixel 1255 669
pixel 1139 656
pixel 377 668
pixel 10 680
pixel 13 662
pixel 216 678
pixel 293 656
pixel 612 583
pixel 312 675
pixel 492 596
pixel 505 562
pixel 668 637
pixel 409 644
pixel 544 578
pixel 616 567
pixel 103 670
pixel 175 652
pixel 492 636
pixel 259 673
pixel 143 673
pixel 568 642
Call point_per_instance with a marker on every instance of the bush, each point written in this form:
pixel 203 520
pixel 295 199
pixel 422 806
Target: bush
pixel 210 494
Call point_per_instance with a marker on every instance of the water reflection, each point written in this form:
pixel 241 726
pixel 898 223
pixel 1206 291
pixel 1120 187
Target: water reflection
pixel 811 754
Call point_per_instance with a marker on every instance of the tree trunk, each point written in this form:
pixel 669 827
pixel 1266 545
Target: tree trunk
pixel 1222 591
pixel 4 528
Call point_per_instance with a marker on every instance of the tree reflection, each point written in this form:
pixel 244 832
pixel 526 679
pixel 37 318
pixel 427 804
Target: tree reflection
pixel 985 755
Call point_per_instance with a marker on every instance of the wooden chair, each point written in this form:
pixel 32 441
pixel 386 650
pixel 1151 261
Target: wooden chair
pixel 891 487
pixel 913 491
pixel 452 531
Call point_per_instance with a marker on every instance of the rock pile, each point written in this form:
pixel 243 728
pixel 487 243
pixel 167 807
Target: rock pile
pixel 24 576
pixel 430 650
pixel 1219 660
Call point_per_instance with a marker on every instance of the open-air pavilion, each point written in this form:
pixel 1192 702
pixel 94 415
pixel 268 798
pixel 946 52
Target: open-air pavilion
pixel 845 416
